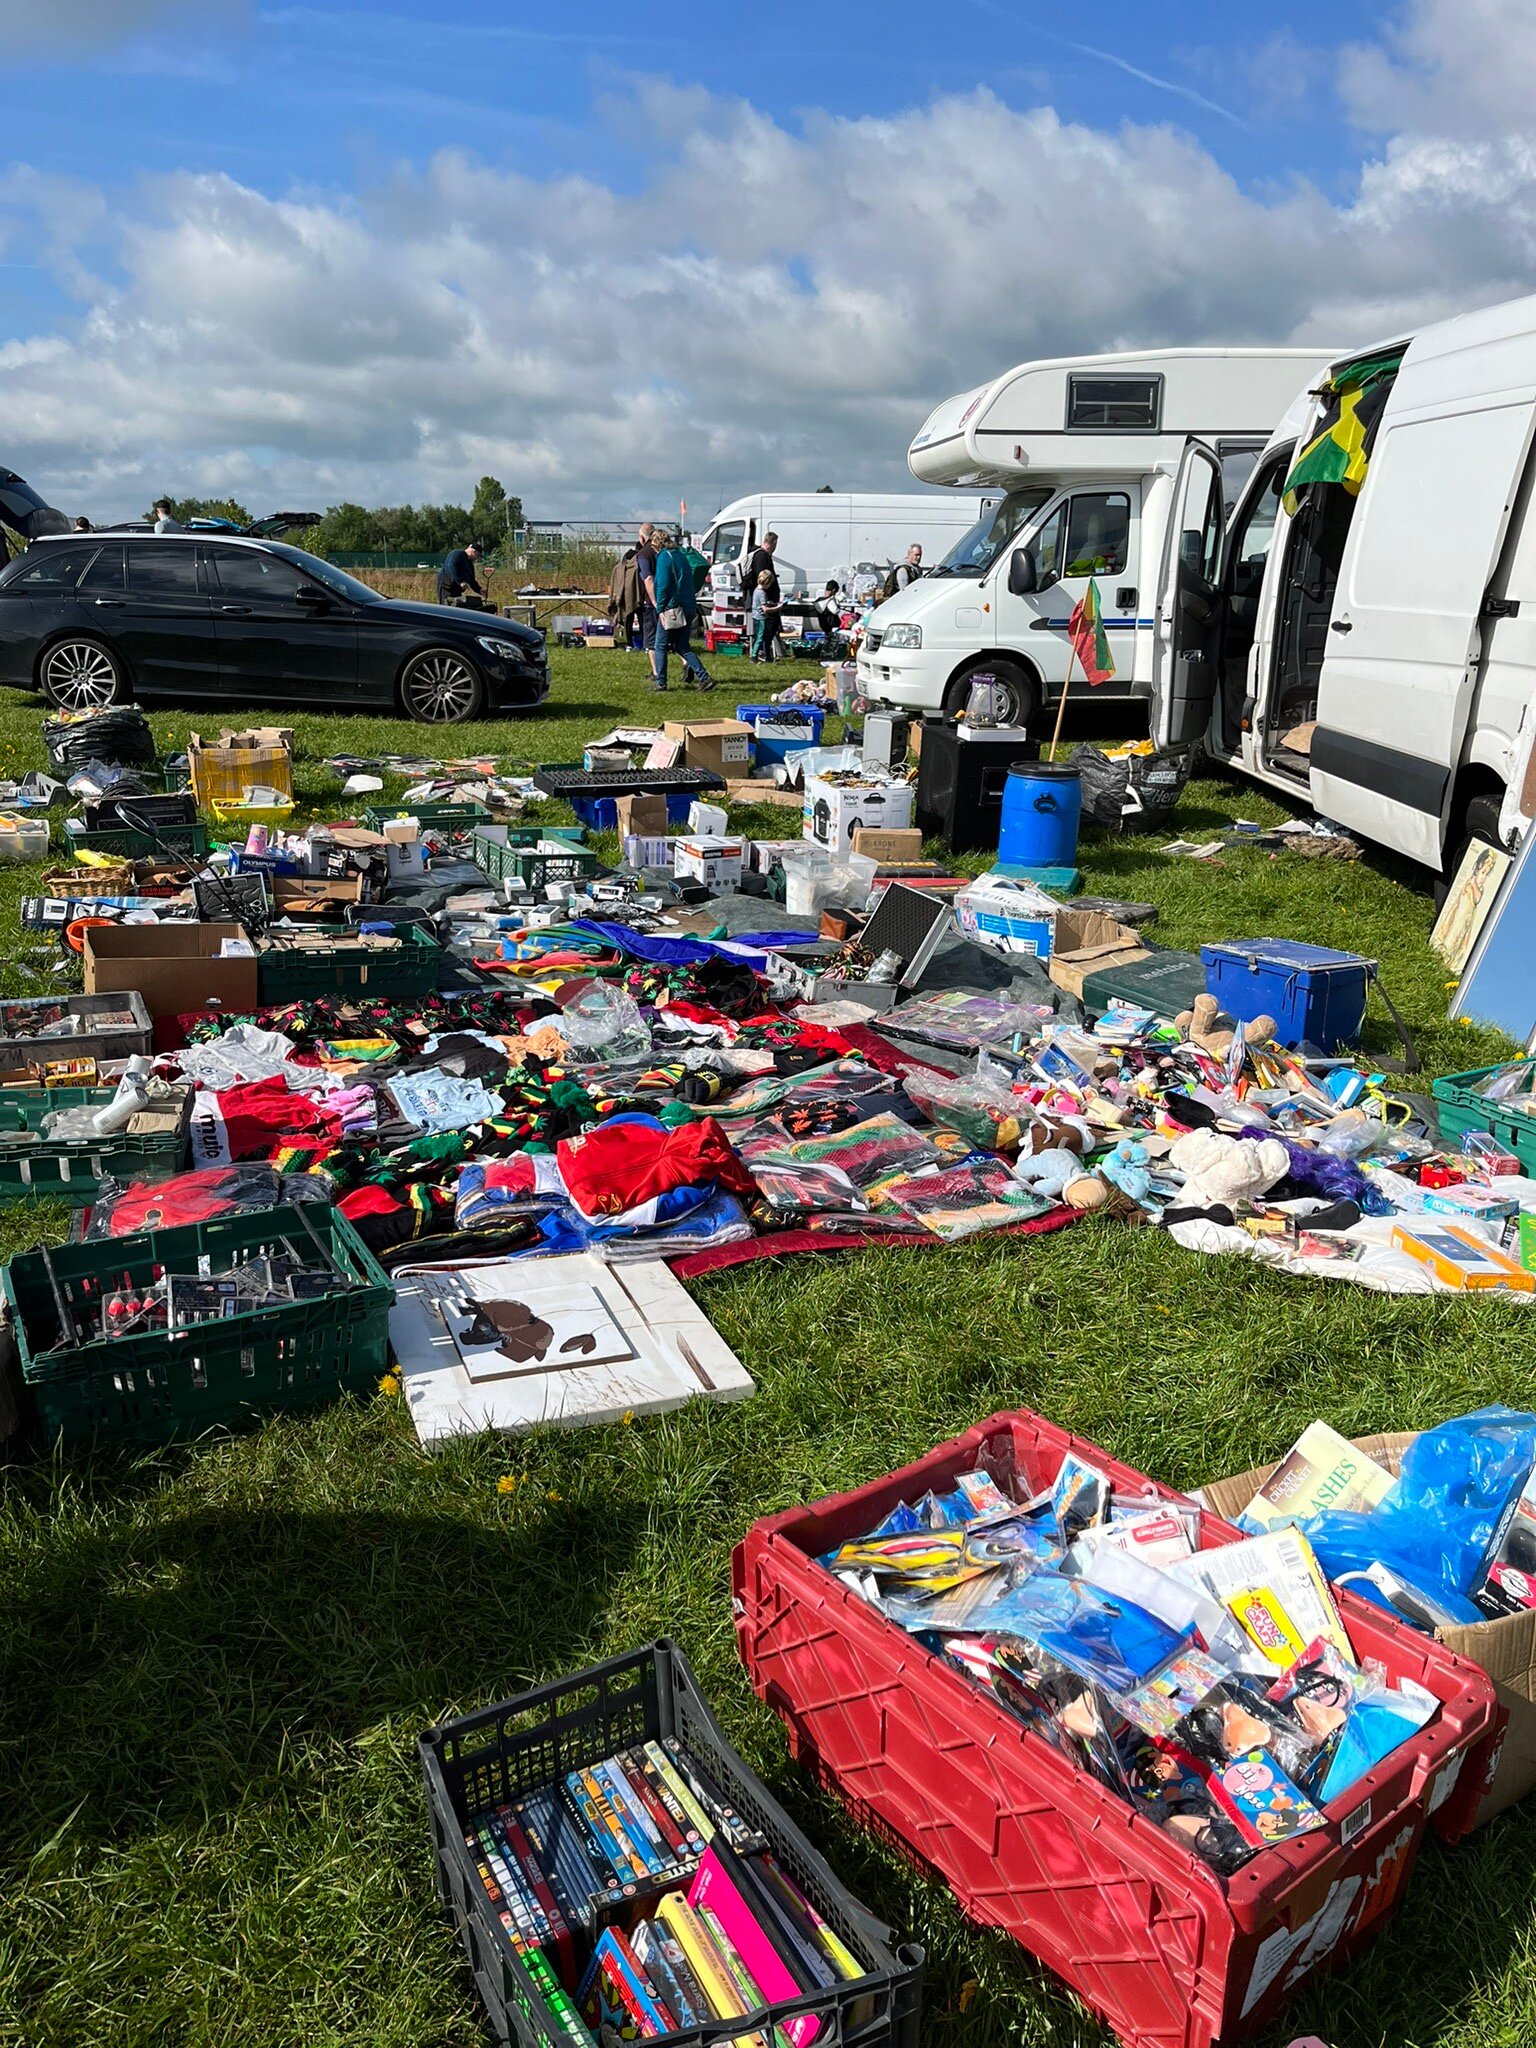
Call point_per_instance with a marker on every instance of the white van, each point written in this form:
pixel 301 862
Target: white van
pixel 834 534
pixel 1375 652
pixel 1086 449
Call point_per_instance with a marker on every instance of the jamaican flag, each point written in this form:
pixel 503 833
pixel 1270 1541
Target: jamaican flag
pixel 1340 451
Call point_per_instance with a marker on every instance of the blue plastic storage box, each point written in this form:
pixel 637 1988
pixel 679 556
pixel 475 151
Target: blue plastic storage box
pixel 1315 995
pixel 601 813
pixel 780 730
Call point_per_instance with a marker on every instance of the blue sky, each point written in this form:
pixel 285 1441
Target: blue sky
pixel 678 240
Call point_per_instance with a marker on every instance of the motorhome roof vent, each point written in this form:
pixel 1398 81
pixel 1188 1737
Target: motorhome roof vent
pixel 1114 404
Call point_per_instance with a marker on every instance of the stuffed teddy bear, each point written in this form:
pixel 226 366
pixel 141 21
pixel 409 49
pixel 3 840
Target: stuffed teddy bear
pixel 1127 1169
pixel 1056 1134
pixel 1221 1172
pixel 1058 1175
pixel 1207 1026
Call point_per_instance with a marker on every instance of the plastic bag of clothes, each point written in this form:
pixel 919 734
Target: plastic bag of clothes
pixel 1131 792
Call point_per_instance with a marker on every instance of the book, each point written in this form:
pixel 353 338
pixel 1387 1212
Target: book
pixel 1321 1471
pixel 716 1892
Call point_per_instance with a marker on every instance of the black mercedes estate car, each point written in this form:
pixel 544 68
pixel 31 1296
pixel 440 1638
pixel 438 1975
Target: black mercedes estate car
pixel 104 618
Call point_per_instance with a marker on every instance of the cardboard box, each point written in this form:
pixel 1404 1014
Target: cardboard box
pixel 889 844
pixel 1009 916
pixel 1084 941
pixel 717 743
pixel 708 818
pixel 175 967
pixel 1506 1648
pixel 713 861
pixel 222 770
pixel 834 811
pixel 762 853
pixel 645 815
pixel 295 896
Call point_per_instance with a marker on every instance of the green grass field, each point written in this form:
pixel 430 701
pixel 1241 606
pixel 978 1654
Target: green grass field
pixel 215 1660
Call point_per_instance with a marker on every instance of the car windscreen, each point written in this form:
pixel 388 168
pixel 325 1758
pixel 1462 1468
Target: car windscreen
pixel 335 580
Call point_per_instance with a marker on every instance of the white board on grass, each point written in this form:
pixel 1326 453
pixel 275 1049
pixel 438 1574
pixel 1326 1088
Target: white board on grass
pixel 566 1339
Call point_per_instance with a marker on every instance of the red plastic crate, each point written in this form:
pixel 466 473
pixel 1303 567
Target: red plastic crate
pixel 1168 1952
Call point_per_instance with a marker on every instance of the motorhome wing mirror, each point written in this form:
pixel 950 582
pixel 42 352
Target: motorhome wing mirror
pixel 1023 573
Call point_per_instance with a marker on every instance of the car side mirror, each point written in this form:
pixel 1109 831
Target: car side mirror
pixel 311 598
pixel 1023 573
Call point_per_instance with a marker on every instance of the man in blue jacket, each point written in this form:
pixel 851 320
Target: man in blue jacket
pixel 677 607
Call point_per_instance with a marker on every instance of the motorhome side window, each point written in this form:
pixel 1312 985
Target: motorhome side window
pixel 1114 404
pixel 1098 534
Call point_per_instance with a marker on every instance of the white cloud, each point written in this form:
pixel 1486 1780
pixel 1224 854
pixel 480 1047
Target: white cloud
pixel 774 305
pixel 1446 67
pixel 73 28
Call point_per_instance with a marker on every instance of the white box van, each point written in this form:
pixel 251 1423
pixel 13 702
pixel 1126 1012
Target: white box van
pixel 1086 449
pixel 834 534
pixel 1375 650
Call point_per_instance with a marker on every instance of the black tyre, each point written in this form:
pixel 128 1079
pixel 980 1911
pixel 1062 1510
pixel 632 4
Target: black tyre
pixel 1480 820
pixel 441 686
pixel 1021 691
pixel 82 674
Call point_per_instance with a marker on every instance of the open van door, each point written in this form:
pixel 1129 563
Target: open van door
pixel 1184 643
pixel 1396 685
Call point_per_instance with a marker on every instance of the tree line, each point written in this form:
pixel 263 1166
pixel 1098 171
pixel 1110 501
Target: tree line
pixel 399 529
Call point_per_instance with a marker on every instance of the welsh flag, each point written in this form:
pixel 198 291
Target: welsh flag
pixel 1090 642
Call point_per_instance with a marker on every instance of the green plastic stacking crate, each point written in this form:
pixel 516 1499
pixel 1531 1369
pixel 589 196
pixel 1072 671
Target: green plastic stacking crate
pixel 525 863
pixel 291 975
pixel 460 818
pixel 1462 1109
pixel 190 840
pixel 70 1170
pixel 150 1388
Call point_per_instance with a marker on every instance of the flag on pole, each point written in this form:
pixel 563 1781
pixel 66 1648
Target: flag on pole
pixel 1090 642
pixel 682 513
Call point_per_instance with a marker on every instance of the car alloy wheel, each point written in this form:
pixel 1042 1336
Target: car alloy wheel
pixel 80 675
pixel 441 688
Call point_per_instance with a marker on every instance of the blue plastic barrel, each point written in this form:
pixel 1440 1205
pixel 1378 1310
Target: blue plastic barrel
pixel 1042 808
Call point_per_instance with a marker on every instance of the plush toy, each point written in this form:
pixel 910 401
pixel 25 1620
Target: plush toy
pixel 1126 1168
pixel 1208 1027
pixel 1056 1134
pixel 1058 1175
pixel 1220 1172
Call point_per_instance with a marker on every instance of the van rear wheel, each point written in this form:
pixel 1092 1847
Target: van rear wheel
pixel 1480 822
pixel 1021 694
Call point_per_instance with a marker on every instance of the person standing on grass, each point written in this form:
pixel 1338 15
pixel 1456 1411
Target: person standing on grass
pixel 457 583
pixel 677 607
pixel 645 571
pixel 762 558
pixel 765 616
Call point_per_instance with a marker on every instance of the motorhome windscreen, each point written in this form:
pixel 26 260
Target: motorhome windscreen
pixel 976 550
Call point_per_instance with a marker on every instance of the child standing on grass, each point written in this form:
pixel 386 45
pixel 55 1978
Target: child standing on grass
pixel 765 618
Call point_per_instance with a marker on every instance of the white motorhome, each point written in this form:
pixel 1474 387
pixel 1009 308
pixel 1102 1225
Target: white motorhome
pixel 1374 650
pixel 834 534
pixel 1085 449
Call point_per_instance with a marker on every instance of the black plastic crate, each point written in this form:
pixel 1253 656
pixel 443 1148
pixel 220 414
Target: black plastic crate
pixel 530 1742
pixel 591 782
